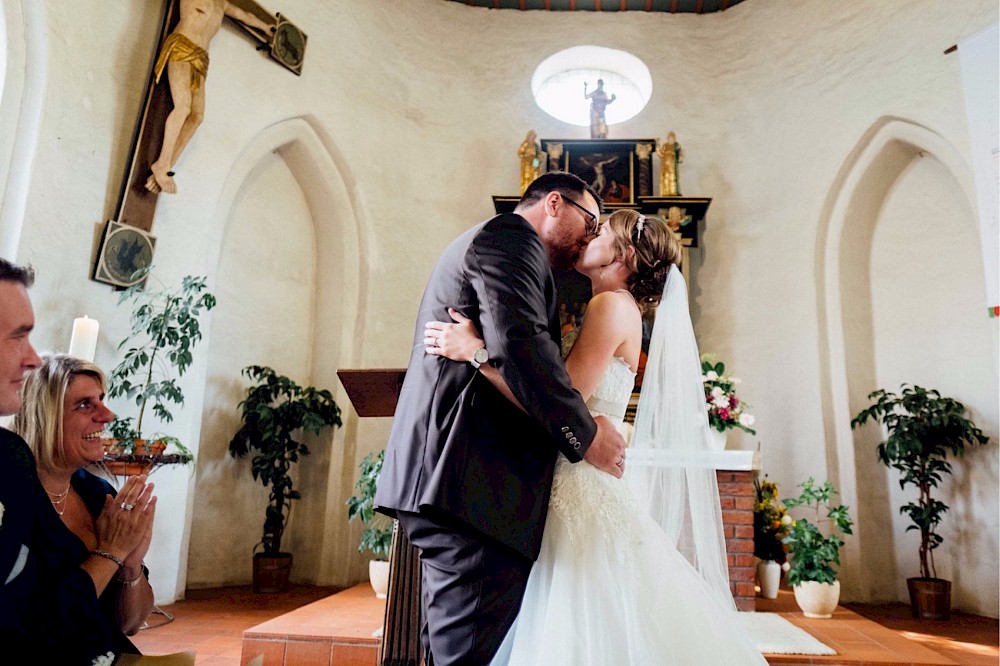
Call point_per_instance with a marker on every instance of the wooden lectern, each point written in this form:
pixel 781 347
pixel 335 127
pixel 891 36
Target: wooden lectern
pixel 375 393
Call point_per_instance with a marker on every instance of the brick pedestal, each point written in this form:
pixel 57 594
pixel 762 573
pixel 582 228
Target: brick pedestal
pixel 736 496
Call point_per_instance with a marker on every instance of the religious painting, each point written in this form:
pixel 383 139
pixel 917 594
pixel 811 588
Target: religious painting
pixel 609 166
pixel 126 254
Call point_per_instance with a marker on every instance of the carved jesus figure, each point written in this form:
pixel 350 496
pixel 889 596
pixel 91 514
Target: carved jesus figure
pixel 184 55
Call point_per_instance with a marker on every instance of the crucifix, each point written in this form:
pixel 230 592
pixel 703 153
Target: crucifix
pixel 174 108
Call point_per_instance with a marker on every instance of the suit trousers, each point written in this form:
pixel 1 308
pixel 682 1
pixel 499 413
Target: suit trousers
pixel 472 588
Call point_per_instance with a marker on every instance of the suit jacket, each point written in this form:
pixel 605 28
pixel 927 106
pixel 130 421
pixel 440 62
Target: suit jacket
pixel 48 604
pixel 457 446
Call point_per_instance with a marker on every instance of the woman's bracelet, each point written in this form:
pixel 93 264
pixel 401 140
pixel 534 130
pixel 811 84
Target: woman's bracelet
pixel 105 554
pixel 130 583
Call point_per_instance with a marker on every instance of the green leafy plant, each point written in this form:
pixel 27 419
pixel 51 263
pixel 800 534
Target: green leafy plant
pixel 814 555
pixel 923 427
pixel 725 409
pixel 377 536
pixel 770 522
pixel 275 409
pixel 164 330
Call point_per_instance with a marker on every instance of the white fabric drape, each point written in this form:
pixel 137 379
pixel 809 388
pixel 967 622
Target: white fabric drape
pixel 668 466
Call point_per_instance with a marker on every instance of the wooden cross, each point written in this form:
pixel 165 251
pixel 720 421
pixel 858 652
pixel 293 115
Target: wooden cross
pixel 181 57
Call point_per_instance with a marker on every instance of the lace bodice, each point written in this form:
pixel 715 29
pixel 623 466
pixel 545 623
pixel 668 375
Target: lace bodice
pixel 590 501
pixel 612 394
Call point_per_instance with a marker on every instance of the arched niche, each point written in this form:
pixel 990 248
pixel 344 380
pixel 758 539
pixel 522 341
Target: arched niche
pixel 847 338
pixel 328 302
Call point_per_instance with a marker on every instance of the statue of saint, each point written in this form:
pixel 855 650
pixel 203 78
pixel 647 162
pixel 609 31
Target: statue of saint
pixel 599 101
pixel 530 153
pixel 184 54
pixel 671 155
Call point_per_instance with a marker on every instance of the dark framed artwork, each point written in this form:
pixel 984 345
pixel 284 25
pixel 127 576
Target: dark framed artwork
pixel 126 254
pixel 288 46
pixel 611 167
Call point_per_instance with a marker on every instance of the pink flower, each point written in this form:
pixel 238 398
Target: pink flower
pixel 724 414
pixel 734 401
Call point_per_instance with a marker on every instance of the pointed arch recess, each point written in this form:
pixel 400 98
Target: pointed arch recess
pixel 842 260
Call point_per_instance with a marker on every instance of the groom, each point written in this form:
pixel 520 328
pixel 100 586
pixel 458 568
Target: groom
pixel 466 473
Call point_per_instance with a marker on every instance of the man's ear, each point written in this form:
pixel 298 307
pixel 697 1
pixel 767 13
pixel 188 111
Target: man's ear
pixel 552 202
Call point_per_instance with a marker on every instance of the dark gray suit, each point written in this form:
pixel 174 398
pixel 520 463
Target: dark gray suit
pixel 477 469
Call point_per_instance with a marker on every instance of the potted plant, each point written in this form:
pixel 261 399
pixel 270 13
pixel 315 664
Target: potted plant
pixel 274 411
pixel 923 427
pixel 377 535
pixel 813 554
pixel 164 330
pixel 725 409
pixel 770 526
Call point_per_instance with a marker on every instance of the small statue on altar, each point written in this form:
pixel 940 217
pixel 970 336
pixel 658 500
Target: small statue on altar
pixel 530 153
pixel 599 101
pixel 676 218
pixel 671 155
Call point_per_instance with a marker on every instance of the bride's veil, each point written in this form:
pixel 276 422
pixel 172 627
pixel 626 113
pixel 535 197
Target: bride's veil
pixel 669 468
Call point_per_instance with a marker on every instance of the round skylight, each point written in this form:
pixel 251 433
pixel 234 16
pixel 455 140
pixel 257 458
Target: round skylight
pixel 557 84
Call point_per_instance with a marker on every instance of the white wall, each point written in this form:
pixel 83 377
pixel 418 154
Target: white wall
pixel 417 108
pixel 927 286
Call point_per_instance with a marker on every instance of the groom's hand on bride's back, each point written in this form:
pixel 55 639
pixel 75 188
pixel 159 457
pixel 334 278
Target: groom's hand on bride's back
pixel 607 451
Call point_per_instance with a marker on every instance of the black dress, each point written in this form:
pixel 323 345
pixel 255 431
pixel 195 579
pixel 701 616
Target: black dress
pixel 48 604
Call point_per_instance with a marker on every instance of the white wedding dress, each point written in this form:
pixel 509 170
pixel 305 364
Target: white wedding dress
pixel 609 587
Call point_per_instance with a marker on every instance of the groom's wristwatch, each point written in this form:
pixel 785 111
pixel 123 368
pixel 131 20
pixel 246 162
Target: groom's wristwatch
pixel 479 357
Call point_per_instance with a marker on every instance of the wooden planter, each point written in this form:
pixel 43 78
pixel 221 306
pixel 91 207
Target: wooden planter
pixel 270 572
pixel 930 598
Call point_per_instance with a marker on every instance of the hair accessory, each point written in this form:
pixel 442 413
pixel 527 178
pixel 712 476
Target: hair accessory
pixel 640 223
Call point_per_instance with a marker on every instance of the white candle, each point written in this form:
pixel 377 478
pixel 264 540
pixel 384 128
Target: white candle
pixel 83 342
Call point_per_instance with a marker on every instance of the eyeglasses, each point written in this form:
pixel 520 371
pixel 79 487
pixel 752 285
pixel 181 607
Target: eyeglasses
pixel 591 224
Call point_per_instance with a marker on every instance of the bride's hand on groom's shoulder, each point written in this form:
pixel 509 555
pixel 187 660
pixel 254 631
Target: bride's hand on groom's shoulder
pixel 607 451
pixel 456 340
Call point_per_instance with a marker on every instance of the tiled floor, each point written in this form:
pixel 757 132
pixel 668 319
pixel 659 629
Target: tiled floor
pixel 212 623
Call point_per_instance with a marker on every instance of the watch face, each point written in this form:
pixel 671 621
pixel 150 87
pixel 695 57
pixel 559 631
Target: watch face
pixel 481 356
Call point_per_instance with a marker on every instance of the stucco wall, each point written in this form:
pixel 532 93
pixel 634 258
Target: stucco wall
pixel 410 113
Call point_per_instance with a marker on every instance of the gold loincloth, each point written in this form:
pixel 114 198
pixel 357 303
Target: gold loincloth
pixel 178 48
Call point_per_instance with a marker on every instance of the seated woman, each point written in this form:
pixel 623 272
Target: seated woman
pixel 62 417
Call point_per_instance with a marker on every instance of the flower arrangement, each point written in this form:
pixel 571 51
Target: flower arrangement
pixel 725 409
pixel 770 522
pixel 813 554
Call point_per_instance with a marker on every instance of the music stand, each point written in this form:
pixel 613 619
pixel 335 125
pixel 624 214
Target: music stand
pixel 375 393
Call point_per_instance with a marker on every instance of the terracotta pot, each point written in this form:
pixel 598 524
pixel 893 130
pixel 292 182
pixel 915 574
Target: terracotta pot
pixel 378 574
pixel 817 600
pixel 930 598
pixel 127 468
pixel 270 572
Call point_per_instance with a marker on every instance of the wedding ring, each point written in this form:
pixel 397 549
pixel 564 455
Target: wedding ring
pixel 127 507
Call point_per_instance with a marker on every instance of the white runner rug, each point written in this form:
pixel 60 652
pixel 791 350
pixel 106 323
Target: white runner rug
pixel 775 635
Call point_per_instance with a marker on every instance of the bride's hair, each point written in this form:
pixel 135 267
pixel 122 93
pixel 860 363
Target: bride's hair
pixel 656 249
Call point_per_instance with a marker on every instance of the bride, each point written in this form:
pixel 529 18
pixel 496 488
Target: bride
pixel 629 572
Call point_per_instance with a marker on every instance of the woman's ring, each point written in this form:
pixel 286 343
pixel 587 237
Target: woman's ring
pixel 127 507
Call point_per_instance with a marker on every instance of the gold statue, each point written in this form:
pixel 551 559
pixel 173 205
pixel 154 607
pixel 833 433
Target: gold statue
pixel 530 153
pixel 671 155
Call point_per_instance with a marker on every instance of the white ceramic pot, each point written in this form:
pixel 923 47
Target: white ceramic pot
pixel 768 578
pixel 378 574
pixel 817 600
pixel 717 439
